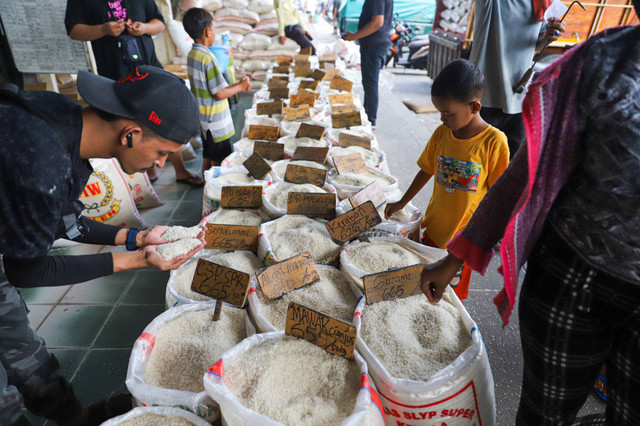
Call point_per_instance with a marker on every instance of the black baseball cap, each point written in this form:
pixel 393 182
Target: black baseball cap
pixel 149 95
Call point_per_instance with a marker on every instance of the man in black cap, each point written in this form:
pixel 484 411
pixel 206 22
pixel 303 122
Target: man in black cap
pixel 46 142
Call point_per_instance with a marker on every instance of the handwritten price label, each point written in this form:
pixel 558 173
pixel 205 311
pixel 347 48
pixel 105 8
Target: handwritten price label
pixel 221 283
pixel 350 119
pixel 334 336
pixel 341 99
pixel 350 163
pixel 279 92
pixel 310 131
pixel 267 133
pixel 302 175
pixel 241 197
pixel 341 84
pixel 302 98
pixel 371 192
pixel 311 153
pixel 231 237
pixel 312 204
pixel 269 108
pixel 353 223
pixel 394 284
pixel 309 84
pixel 347 139
pixel 257 167
pixel 282 69
pixel 300 112
pixel 288 275
pixel 273 151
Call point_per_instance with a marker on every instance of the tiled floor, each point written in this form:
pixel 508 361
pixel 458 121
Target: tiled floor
pixel 91 326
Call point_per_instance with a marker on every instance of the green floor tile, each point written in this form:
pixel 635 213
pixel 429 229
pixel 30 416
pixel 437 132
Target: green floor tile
pixel 73 326
pixel 148 288
pixel 126 324
pixel 37 314
pixel 186 223
pixel 159 215
pixel 188 210
pixel 108 289
pixel 70 360
pixel 101 375
pixel 43 295
pixel 170 192
pixel 193 195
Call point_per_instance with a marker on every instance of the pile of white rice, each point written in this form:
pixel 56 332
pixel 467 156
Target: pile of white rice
pixel 371 158
pixel 156 420
pixel 236 217
pixel 379 256
pixel 361 179
pixel 294 234
pixel 291 142
pixel 295 382
pixel 234 178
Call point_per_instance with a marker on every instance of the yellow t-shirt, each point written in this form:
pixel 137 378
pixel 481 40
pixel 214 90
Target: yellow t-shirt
pixel 464 169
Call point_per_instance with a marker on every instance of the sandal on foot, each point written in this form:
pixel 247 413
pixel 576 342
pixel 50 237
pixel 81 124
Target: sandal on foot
pixel 601 389
pixel 191 180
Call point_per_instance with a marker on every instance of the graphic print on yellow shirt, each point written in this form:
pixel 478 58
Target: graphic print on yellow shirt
pixel 458 174
pixel 463 170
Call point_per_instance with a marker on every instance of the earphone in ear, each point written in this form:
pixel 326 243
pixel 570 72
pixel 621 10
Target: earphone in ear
pixel 130 140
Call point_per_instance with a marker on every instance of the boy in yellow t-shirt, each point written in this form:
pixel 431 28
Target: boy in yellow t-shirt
pixel 465 154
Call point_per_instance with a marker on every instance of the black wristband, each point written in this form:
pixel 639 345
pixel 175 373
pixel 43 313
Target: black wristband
pixel 131 239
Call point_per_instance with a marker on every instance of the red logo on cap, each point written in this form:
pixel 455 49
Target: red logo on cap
pixel 135 75
pixel 154 118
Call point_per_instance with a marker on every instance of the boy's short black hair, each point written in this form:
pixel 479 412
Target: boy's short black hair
pixel 460 80
pixel 195 21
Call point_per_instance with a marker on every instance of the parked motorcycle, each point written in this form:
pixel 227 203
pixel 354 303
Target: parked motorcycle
pixel 401 35
pixel 407 49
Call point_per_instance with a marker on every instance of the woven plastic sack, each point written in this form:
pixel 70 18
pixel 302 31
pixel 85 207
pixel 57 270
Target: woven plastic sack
pixel 268 257
pixel 255 304
pixel 181 39
pixel 235 4
pixel 367 403
pixel 158 411
pixel 460 394
pixel 259 76
pixel 269 17
pixel 276 212
pixel 255 42
pixel 144 196
pixel 233 27
pixel 405 229
pixel 239 55
pixel 198 403
pixel 381 163
pixel 346 191
pixel 267 28
pixel 239 15
pixel 213 189
pixel 212 5
pixel 288 44
pixel 256 64
pixel 260 6
pixel 428 254
pixel 106 196
pixel 271 55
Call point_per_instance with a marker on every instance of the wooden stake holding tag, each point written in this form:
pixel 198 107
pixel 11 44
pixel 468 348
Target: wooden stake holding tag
pixel 347 120
pixel 353 223
pixel 302 98
pixel 393 284
pixel 301 175
pixel 257 167
pixel 217 311
pixel 317 75
pixel 231 237
pixel 297 113
pixel 273 151
pixel 308 204
pixel 310 131
pixel 221 283
pixel 371 192
pixel 341 83
pixel 267 133
pixel 350 163
pixel 269 108
pixel 277 280
pixel 241 197
pixel 279 92
pixel 282 69
pixel 309 84
pixel 311 153
pixel 342 98
pixel 348 139
pixel 334 336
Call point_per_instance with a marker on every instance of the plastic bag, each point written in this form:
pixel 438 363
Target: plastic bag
pixel 260 6
pixel 345 191
pixel 158 411
pixel 460 394
pixel 198 403
pixel 234 413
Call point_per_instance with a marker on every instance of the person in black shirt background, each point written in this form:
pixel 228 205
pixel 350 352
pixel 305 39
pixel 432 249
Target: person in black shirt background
pixel 373 33
pixel 108 25
pixel 47 140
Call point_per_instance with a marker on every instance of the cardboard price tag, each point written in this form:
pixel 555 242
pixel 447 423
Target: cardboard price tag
pixel 341 83
pixel 284 78
pixel 270 108
pixel 302 175
pixel 258 168
pixel 350 163
pixel 334 336
pixel 311 153
pixel 349 119
pixel 301 57
pixel 296 113
pixel 312 204
pixel 241 197
pixel 310 131
pixel 371 192
pixel 328 57
pixel 302 98
pixel 302 72
pixel 231 237
pixel 353 223
pixel 309 84
pixel 327 65
pixel 347 139
pixel 279 92
pixel 276 84
pixel 306 51
pixel 267 133
pixel 279 279
pixel 282 69
pixel 273 151
pixel 329 74
pixel 344 98
pixel 393 284
pixel 284 60
pixel 343 109
pixel 221 283
pixel 317 75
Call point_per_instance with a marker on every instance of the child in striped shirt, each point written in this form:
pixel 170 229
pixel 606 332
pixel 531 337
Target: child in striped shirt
pixel 210 88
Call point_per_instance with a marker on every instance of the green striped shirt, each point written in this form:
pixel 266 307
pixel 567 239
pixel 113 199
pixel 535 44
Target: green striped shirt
pixel 207 80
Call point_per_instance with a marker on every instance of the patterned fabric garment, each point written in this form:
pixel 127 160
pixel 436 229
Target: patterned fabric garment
pixel 598 210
